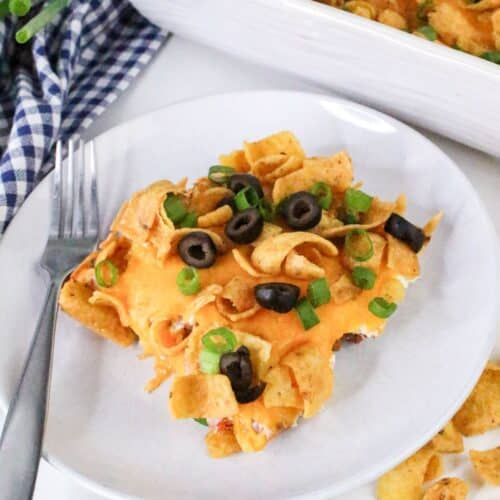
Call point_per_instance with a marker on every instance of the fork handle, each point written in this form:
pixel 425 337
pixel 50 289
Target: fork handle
pixel 22 436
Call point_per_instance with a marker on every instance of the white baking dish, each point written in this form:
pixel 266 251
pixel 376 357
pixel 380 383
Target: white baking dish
pixel 439 88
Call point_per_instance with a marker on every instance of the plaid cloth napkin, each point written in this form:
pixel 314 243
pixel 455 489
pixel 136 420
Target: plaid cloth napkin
pixel 55 86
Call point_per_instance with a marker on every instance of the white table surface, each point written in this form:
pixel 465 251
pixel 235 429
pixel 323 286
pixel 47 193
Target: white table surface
pixel 183 70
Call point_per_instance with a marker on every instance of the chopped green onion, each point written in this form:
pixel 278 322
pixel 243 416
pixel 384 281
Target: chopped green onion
pixel 266 209
pixel 211 340
pixel 318 292
pixel 37 23
pixel 493 56
pixel 363 277
pixel 358 245
pixel 381 308
pixel 246 198
pixel 355 201
pixel 4 9
pixel 423 9
pixel 19 7
pixel 202 421
pixel 189 220
pixel 220 174
pixel 99 277
pixel 306 313
pixel 323 193
pixel 209 361
pixel 188 281
pixel 429 32
pixel 350 218
pixel 174 208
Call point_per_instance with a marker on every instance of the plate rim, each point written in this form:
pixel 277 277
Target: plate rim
pixel 376 470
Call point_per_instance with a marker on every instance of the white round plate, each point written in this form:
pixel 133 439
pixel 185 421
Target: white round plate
pixel 391 394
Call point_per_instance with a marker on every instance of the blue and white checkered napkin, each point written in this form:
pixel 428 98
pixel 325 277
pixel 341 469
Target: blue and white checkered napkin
pixel 56 86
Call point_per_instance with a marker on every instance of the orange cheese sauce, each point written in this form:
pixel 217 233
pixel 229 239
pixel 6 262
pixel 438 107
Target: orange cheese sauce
pixel 148 289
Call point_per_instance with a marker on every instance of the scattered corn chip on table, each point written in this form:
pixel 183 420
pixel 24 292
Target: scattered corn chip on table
pixel 179 81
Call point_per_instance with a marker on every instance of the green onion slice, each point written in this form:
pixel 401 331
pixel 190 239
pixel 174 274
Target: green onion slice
pixel 381 308
pixel 266 209
pixel 355 201
pixel 189 220
pixel 37 23
pixel 188 281
pixel 220 174
pixel 318 292
pixel 306 313
pixel 358 245
pixel 202 421
pixel 323 193
pixel 209 361
pixel 363 277
pixel 246 198
pixel 219 340
pixel 174 208
pixel 106 282
pixel 19 7
pixel 429 32
pixel 493 56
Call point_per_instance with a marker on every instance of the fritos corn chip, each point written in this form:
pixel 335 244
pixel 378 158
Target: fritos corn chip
pixel 487 464
pixel 448 488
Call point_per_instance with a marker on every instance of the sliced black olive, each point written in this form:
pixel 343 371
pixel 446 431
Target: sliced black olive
pixel 279 297
pixel 229 201
pixel 237 182
pixel 245 226
pixel 301 211
pixel 197 249
pixel 251 394
pixel 405 231
pixel 237 366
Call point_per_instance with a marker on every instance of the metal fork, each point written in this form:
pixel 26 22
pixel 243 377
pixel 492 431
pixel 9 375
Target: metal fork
pixel 73 234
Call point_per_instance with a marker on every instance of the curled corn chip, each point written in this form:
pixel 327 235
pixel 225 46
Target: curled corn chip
pixel 404 482
pixel 448 440
pixel 300 267
pixel 216 217
pixel 243 260
pixel 271 168
pixel 203 298
pixel 434 468
pixel 487 464
pixel 280 390
pixel 202 396
pixel 255 425
pixel 280 143
pixel 401 258
pixel 169 335
pixel 237 300
pixel 327 223
pixel 375 261
pixel 100 318
pixel 99 298
pixel 269 255
pixel 313 375
pixel 448 488
pixel 221 443
pixel 138 215
pixel 235 159
pixel 335 171
pixel 481 410
pixel 205 196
